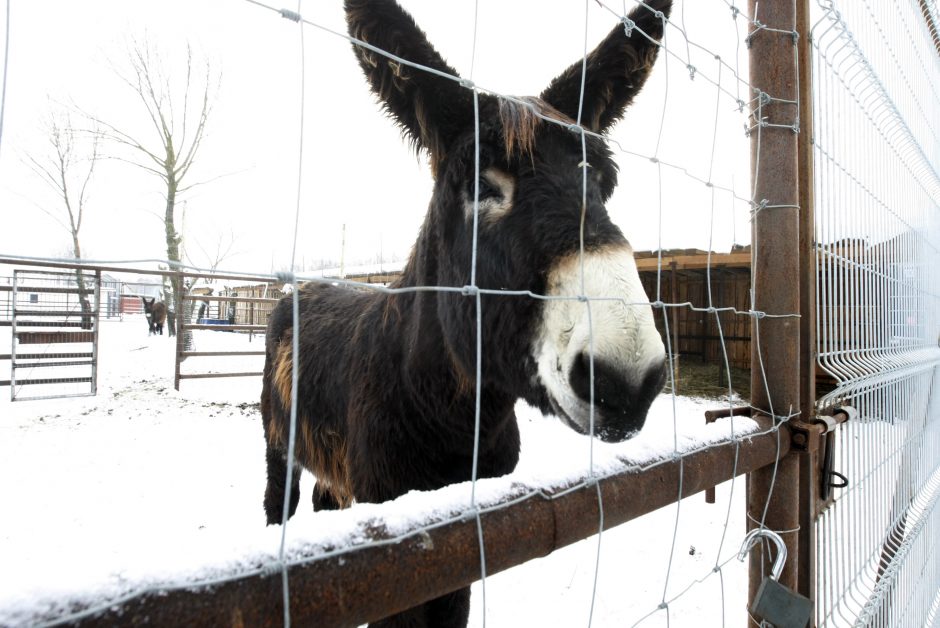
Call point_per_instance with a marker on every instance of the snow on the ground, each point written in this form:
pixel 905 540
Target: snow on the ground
pixel 145 486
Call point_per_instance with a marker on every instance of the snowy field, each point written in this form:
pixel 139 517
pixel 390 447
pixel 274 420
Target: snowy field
pixel 144 486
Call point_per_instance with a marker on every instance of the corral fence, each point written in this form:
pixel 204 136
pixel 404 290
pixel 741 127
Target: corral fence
pixel 844 109
pixel 244 314
pixel 54 322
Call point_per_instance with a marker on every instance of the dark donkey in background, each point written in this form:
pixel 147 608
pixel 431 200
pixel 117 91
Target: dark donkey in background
pixel 156 315
pixel 387 382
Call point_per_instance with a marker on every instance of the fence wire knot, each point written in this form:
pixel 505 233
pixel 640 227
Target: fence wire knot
pixel 628 26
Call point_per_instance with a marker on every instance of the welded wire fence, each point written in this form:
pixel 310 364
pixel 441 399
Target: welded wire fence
pixel 877 155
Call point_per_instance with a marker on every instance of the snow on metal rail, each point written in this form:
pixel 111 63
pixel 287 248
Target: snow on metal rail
pixel 376 566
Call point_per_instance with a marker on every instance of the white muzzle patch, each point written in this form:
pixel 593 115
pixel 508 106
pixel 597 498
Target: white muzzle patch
pixel 615 323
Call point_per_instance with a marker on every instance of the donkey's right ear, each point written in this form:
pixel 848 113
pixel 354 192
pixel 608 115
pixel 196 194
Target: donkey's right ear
pixel 615 71
pixel 430 108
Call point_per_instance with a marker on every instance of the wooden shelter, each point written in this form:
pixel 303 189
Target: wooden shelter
pixel 690 281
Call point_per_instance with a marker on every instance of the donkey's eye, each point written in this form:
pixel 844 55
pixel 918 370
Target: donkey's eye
pixel 487 189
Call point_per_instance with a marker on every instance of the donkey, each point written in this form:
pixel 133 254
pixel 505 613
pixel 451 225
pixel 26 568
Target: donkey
pixel 156 315
pixel 387 381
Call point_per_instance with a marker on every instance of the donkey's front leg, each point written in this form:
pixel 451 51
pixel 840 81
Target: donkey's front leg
pixel 323 499
pixel 277 482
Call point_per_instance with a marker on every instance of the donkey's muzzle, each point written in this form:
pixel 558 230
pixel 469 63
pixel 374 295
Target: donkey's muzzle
pixel 621 401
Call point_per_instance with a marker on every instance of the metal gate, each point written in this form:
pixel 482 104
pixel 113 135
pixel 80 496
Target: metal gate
pixel 54 339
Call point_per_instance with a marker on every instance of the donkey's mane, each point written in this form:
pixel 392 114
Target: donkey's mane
pixel 521 118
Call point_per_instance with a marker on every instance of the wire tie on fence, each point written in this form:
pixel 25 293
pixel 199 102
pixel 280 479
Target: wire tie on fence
pixel 469 291
pixel 467 83
pixel 750 36
pixel 582 298
pixel 628 26
pixel 584 164
pixel 692 70
pixel 290 15
pixel 655 160
pixel 741 104
pixel 657 305
pixel 662 606
pixel 759 523
pixel 735 12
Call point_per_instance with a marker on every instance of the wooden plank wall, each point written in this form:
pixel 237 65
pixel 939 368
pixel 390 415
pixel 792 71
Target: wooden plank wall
pixel 698 331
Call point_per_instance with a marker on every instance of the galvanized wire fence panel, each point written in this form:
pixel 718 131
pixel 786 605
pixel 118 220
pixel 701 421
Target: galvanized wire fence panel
pixel 699 179
pixel 877 156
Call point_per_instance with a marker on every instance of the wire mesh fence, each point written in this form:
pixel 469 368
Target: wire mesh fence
pixel 877 151
pixel 686 163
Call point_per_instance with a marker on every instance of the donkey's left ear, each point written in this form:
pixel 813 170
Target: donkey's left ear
pixel 616 70
pixel 430 108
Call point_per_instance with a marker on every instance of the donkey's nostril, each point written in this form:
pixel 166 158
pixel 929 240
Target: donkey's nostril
pixel 622 398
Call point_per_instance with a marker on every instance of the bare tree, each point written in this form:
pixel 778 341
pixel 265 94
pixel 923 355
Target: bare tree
pixel 67 168
pixel 176 114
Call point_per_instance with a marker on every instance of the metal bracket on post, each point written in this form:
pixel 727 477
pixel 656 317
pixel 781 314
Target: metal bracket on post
pixel 818 437
pixel 807 436
pixel 710 417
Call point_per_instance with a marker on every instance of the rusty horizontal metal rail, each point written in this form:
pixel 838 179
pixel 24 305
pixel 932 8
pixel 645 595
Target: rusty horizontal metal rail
pixel 38 365
pixel 65 313
pixel 228 327
pixel 50 323
pixel 55 380
pixel 49 289
pixel 214 375
pixel 375 580
pixel 206 354
pixel 45 356
pixel 13 261
pixel 209 297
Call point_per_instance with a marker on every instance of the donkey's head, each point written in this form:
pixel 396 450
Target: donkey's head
pixel 543 227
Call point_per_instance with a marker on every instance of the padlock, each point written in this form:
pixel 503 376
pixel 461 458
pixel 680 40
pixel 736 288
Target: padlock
pixel 775 603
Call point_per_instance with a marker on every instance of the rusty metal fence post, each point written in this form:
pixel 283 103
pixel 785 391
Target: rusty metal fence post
pixel 773 492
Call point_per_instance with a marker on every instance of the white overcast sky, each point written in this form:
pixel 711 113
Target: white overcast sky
pixel 357 170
